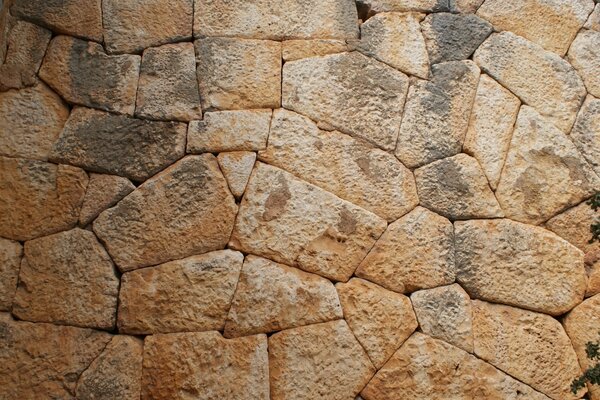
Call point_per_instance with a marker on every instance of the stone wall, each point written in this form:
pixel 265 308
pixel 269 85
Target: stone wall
pixel 298 199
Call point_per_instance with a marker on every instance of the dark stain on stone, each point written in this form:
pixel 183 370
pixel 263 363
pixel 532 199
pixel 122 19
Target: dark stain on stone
pixel 277 200
pixel 347 224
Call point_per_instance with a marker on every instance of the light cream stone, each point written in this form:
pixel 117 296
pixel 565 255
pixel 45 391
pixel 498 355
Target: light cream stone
pixel 586 132
pixel 508 262
pixel 296 49
pixel 593 21
pixel 415 252
pixel 10 262
pixel 340 164
pixel 464 6
pixel 236 167
pixel 378 6
pixel 380 319
pixel 293 222
pixel 103 191
pixel 584 55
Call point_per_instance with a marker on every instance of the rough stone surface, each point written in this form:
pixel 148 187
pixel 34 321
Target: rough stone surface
pixel 586 132
pixel 103 191
pixel 584 55
pixel 353 93
pixel 377 6
pixel 236 167
pixel 592 263
pixel 296 49
pixel 186 209
pixel 296 223
pixel 508 262
pixel 117 144
pixel 340 164
pixel 317 361
pixel 83 74
pixel 415 252
pixel 593 21
pixel 10 262
pixel 464 6
pixel 517 64
pixel 436 114
pixel 238 73
pixel 381 320
pixel 199 365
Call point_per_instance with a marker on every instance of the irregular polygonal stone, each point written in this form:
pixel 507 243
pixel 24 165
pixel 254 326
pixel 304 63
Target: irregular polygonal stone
pixel 426 368
pixel 30 121
pixel 377 6
pixel 456 188
pixel 445 313
pixel 186 209
pixel 204 365
pixel 317 361
pixel 518 64
pixel 296 49
pixel 229 131
pixel 131 26
pixel 103 191
pixel 10 262
pixel 353 93
pixel 415 252
pixel 118 144
pixel 296 223
pixel 83 74
pixel 593 21
pixel 586 132
pixel 584 55
pixel 544 173
pixel 532 347
pixel 436 114
pixel 116 373
pixel 453 37
pixel 592 265
pixel 490 128
pixel 238 73
pixel 380 319
pixel 168 89
pixel 38 198
pixel 464 6
pixel 508 262
pixel 347 167
pixel 236 167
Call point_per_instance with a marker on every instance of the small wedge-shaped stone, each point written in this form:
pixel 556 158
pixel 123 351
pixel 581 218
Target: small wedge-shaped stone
pixel 295 223
pixel 116 373
pixel 271 297
pixel 436 114
pixel 584 55
pixel 456 188
pixel 544 173
pixel 292 50
pixel 380 319
pixel 38 198
pixel 415 252
pixel 83 74
pixel 347 167
pixel 353 93
pixel 322 361
pixel 426 368
pixel 593 21
pixel 204 365
pixel 586 132
pixel 103 191
pixel 192 294
pixel 118 144
pixel 10 262
pixel 186 209
pixel 508 262
pixel 518 64
pixel 236 167
pixel 377 6
pixel 532 347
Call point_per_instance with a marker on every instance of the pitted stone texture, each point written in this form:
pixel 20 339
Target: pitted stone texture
pixel 10 262
pixel 464 6
pixel 415 252
pixel 82 73
pixel 584 55
pixel 552 24
pixel 38 198
pixel 116 373
pixel 508 262
pixel 118 144
pixel 593 21
pixel 43 361
pixel 426 368
pixel 293 222
pixel 186 209
pixel 396 39
pixel 31 119
pixel 532 347
pixel 103 191
pixel 322 361
pixel 436 114
pixel 292 50
pixel 380 319
pixel 347 167
pixel 378 6
pixel 132 25
pixel 271 297
pixel 586 132
pixel 235 74
pixel 204 365
pixel 168 89
pixel 592 264
pixel 490 128
pixel 192 294
pixel 544 173
pixel 286 19
pixel 351 92
pixel 243 130
pixel 517 64
pixel 456 188
pixel 236 167
pixel 445 313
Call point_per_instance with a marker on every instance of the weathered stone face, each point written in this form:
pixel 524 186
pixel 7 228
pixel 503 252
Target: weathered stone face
pixel 237 167
pixel 10 263
pixel 593 21
pixel 103 191
pixel 586 132
pixel 378 6
pixel 584 55
pixel 292 50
